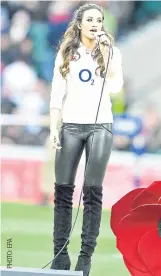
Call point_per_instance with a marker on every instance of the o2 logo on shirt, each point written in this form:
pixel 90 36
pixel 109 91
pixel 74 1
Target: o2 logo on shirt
pixel 85 75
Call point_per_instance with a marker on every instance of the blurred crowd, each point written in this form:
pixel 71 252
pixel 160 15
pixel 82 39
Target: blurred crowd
pixel 30 35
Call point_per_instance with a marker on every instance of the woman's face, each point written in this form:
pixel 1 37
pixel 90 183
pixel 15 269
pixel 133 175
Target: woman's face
pixel 92 22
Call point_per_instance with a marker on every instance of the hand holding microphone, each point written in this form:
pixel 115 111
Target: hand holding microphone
pixel 102 38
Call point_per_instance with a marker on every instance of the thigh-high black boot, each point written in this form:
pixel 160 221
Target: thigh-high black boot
pixel 62 225
pixel 91 224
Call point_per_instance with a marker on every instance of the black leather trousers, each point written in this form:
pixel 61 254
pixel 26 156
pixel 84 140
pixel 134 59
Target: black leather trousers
pixel 74 138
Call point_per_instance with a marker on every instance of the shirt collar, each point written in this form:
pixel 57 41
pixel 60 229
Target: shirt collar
pixel 84 49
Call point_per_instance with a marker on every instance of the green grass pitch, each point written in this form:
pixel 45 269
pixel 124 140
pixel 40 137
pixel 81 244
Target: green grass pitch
pixel 31 227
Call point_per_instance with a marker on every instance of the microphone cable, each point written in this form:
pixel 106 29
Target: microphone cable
pixel 76 217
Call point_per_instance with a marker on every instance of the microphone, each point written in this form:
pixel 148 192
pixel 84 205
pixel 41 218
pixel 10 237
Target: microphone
pixel 104 41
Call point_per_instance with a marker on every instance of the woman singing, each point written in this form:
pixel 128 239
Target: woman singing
pixel 76 89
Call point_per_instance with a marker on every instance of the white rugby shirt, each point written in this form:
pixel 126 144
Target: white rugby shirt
pixel 79 96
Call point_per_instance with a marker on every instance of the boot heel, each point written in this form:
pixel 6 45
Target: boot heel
pixel 83 265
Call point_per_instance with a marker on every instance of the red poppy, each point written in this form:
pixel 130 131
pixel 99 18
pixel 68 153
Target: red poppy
pixel 151 241
pixel 131 229
pixel 135 224
pixel 150 195
pixel 134 271
pixel 122 207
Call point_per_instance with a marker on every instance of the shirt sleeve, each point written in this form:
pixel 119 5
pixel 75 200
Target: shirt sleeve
pixel 58 86
pixel 115 77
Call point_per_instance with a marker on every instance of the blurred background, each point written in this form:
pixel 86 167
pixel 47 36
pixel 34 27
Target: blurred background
pixel 30 35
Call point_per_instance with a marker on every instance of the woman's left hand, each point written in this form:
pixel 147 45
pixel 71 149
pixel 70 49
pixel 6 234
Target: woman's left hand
pixel 103 38
pixel 104 42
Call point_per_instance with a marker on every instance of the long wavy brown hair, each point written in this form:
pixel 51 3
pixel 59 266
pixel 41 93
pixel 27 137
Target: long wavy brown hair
pixel 71 42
